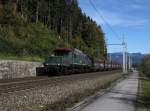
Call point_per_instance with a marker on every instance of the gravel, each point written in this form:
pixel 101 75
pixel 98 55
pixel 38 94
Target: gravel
pixel 41 98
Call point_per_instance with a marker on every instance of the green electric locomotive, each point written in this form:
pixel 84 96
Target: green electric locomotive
pixel 66 61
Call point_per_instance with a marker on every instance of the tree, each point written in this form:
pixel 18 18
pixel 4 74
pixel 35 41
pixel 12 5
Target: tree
pixel 145 66
pixel 63 17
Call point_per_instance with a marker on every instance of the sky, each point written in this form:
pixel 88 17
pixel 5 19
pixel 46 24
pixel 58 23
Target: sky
pixel 128 18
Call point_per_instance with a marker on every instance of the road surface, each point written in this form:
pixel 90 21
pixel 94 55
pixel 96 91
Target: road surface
pixel 120 98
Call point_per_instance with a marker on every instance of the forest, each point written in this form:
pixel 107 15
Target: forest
pixel 37 27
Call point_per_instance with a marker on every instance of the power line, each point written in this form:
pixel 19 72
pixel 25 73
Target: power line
pixel 116 35
pixel 101 16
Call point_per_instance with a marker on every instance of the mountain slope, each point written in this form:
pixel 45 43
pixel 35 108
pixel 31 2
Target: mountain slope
pixel 118 57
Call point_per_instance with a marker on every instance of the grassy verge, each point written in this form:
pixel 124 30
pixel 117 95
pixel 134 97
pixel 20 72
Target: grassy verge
pixel 71 100
pixel 143 102
pixel 24 58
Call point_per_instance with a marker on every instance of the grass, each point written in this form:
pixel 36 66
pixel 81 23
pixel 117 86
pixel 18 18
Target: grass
pixel 74 98
pixel 143 102
pixel 24 58
pixel 69 101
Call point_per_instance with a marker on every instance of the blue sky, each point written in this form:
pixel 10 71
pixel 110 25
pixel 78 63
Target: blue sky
pixel 130 18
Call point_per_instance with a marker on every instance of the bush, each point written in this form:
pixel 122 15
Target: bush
pixel 33 39
pixel 145 66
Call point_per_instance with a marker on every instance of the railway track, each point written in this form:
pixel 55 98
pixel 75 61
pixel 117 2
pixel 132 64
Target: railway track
pixel 25 85
pixel 11 86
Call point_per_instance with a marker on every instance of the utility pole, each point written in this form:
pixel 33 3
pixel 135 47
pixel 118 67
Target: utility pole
pixel 124 56
pixel 126 59
pixel 130 61
pixel 110 57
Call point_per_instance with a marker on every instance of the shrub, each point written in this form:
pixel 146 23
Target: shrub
pixel 145 66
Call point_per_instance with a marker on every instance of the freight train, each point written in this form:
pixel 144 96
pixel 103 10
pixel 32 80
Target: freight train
pixel 67 61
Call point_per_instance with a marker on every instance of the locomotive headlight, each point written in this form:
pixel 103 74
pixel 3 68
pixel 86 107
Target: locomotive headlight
pixel 45 64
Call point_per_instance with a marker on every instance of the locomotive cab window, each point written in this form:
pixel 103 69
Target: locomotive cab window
pixel 61 53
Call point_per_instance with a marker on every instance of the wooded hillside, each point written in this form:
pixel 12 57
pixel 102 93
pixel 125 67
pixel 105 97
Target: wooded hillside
pixel 36 27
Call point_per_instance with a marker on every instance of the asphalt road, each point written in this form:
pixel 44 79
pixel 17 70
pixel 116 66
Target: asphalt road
pixel 121 98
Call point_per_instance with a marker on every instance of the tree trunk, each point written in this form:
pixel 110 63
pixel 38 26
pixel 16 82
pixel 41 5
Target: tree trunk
pixel 37 12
